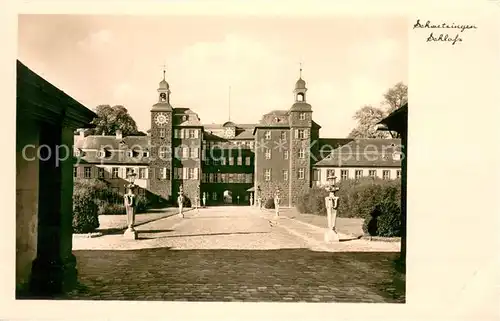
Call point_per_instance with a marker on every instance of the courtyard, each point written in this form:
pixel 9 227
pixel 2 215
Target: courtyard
pixel 234 254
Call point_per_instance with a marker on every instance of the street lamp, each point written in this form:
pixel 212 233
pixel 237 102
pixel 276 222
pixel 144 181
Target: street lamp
pixel 129 200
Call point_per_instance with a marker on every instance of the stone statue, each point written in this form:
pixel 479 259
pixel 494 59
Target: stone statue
pixel 277 202
pixel 197 202
pixel 129 200
pixel 258 201
pixel 204 199
pixel 331 203
pixel 251 199
pixel 180 202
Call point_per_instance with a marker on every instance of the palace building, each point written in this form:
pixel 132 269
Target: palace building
pixel 228 162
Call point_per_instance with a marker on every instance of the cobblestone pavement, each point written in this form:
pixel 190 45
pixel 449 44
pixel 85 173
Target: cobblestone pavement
pixel 235 254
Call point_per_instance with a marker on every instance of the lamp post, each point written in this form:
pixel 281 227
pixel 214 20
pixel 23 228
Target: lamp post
pixel 129 200
pixel 331 204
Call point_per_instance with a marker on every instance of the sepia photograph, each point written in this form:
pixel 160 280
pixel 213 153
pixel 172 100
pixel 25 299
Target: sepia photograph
pixel 211 158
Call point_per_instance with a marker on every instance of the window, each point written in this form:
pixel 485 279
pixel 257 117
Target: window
pixel 163 152
pixel 239 160
pixel 248 178
pixel 129 171
pixel 302 116
pixel 268 154
pixel 223 161
pixel 100 172
pixel 330 173
pixel 75 171
pixel 214 196
pixel 268 135
pixel 87 172
pixel 114 172
pixel 396 156
pixel 386 174
pixel 176 133
pixel 247 161
pixel 146 154
pixel 194 153
pixel 283 136
pixel 181 133
pixel 398 173
pixel 162 132
pixel 211 178
pixel 285 154
pixel 267 174
pixel 142 173
pixel 344 174
pixel 77 152
pixel 191 173
pixel 358 173
pixel 285 175
pixel 301 133
pixel 301 173
pixel 185 152
pixel 164 173
pixel 241 178
pixel 101 153
pixel 302 153
pixel 231 161
pixel 372 173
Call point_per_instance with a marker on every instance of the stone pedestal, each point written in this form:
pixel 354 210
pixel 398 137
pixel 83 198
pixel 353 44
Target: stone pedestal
pixel 331 236
pixel 130 234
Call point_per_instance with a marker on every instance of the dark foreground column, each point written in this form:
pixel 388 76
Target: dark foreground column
pixel 54 269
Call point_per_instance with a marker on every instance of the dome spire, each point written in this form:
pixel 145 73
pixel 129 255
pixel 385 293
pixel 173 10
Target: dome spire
pixel 300 70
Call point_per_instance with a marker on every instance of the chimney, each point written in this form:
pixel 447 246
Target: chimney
pixel 119 134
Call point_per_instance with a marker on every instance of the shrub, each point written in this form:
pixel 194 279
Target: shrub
pixel 269 203
pixel 389 222
pixel 313 201
pixel 85 211
pixel 112 208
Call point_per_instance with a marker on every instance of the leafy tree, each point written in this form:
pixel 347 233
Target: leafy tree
pixel 395 97
pixel 368 116
pixel 110 119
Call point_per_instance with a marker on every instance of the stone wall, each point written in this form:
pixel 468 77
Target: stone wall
pixel 26 201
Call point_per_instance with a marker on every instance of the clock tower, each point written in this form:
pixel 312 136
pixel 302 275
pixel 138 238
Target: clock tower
pixel 160 166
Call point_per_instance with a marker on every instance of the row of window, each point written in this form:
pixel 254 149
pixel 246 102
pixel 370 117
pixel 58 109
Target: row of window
pixel 358 173
pixel 185 133
pixel 116 172
pixel 243 143
pixel 298 134
pixel 227 178
pixel 231 161
pixel 301 154
pixel 180 152
pixel 301 174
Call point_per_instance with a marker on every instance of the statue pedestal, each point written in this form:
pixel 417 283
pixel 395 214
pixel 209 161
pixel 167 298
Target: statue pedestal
pixel 130 234
pixel 331 236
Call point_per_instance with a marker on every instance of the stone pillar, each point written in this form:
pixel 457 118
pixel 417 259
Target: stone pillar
pixel 54 269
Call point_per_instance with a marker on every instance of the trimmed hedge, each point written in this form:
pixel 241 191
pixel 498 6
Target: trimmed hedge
pixel 376 201
pixel 85 210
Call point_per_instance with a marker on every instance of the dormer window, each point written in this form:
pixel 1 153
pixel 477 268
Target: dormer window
pixel 130 153
pixel 396 156
pixel 101 153
pixel 302 116
pixel 78 152
pixel 184 118
pixel 146 154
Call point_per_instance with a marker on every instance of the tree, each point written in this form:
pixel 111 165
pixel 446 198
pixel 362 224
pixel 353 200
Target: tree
pixel 367 117
pixel 395 97
pixel 110 119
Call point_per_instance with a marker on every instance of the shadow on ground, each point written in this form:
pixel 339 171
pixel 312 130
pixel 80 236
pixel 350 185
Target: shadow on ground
pixel 238 275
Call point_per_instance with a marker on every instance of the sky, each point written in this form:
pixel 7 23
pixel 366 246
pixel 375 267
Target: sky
pixel 347 61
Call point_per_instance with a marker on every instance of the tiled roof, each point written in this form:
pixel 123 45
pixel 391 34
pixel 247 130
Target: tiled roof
pixel 98 141
pixel 275 118
pixel 361 153
pixel 192 118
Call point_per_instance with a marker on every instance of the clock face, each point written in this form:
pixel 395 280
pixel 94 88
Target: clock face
pixel 161 119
